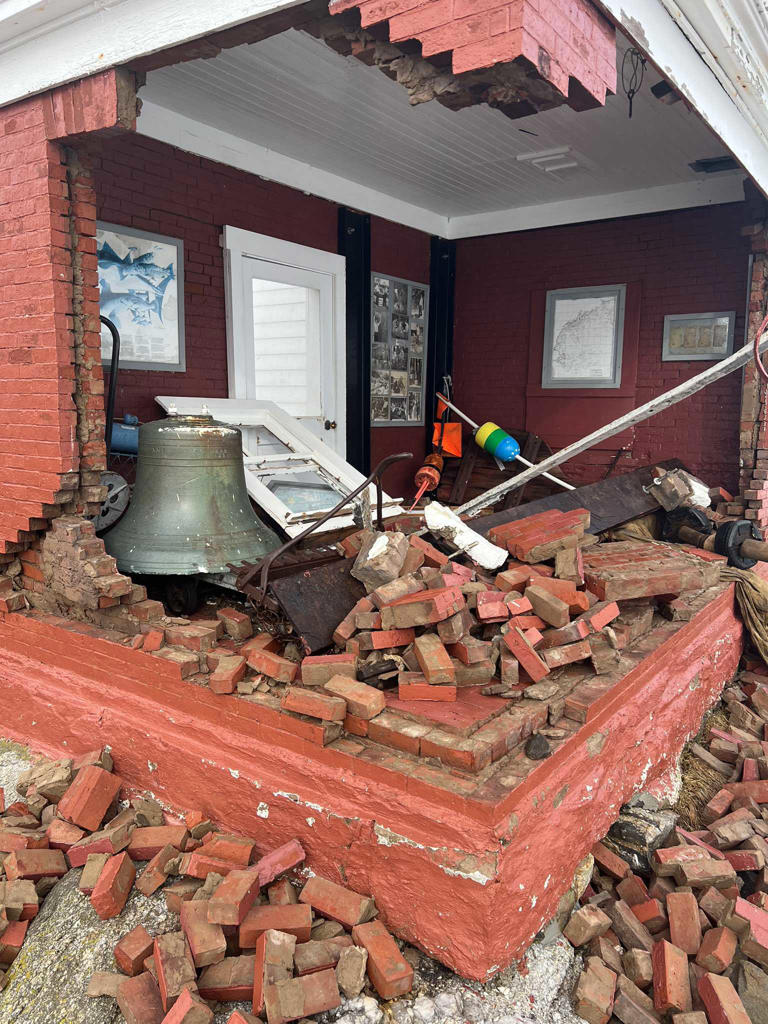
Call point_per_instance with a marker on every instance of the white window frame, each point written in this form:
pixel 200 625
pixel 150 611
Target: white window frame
pixel 304 447
pixel 240 245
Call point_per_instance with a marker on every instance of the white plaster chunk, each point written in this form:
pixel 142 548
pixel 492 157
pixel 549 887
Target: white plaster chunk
pixel 444 523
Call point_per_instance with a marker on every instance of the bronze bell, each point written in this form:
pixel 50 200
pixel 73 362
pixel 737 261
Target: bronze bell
pixel 190 511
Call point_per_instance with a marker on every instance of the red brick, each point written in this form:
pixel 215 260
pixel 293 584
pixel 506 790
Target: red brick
pixel 189 1008
pixel 238 850
pixel 230 980
pixel 35 864
pixel 228 673
pixel 334 901
pixel 89 797
pixel 234 896
pixel 276 862
pixel 111 892
pixel 62 834
pixel 174 966
pixel 567 654
pixel 280 669
pixel 133 949
pixel 292 918
pixel 154 874
pixel 609 862
pixel 721 1001
pixel 206 939
pixel 361 700
pixel 434 660
pixel 717 949
pixel 316 705
pixel 684 925
pixel 390 973
pixel 418 688
pixel 147 842
pixel 319 669
pixel 237 624
pixel 671 987
pixel 380 639
pixel 313 993
pixel 525 654
pixel 139 1000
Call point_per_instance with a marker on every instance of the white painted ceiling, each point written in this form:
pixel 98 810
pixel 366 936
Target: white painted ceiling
pixel 294 96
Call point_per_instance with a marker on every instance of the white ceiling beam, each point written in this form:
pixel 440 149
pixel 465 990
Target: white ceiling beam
pixel 659 29
pixel 717 188
pixel 46 44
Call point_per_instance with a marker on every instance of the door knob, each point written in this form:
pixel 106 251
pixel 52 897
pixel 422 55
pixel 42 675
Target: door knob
pixel 330 424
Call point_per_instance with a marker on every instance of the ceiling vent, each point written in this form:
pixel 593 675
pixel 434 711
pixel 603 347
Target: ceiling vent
pixel 551 160
pixel 712 165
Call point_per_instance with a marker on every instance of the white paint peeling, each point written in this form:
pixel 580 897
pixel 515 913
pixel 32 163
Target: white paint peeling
pixel 234 773
pixel 293 797
pixel 262 810
pixel 152 766
pixel 310 822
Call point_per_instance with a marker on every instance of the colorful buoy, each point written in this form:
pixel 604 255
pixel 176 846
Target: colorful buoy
pixel 497 442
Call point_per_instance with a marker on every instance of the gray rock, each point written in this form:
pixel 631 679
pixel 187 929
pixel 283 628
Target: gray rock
pixel 66 943
pixel 424 1009
pixel 753 989
pixel 637 833
pixel 448 1004
pixel 537 747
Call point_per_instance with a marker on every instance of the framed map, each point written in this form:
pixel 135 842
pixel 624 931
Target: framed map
pixel 690 336
pixel 583 337
pixel 399 313
pixel 141 290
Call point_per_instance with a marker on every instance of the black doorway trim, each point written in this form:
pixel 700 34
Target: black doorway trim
pixel 354 244
pixel 442 279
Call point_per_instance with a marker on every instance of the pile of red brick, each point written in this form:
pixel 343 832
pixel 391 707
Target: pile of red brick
pixel 690 940
pixel 247 933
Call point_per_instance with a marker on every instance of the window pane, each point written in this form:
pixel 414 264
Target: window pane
pixel 285 319
pixel 304 492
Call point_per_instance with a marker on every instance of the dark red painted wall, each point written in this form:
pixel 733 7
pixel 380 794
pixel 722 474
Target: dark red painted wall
pixel 688 261
pixel 152 186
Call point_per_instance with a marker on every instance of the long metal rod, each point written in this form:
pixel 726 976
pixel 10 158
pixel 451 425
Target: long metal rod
pixel 475 426
pixel 644 412
pixel 114 367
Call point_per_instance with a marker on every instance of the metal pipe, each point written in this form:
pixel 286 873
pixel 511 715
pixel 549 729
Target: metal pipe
pixel 475 426
pixel 113 368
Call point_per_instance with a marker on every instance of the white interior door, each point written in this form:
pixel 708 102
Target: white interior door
pixel 286 339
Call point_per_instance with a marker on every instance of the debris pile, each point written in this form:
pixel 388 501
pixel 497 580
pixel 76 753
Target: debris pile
pixel 686 939
pixel 247 932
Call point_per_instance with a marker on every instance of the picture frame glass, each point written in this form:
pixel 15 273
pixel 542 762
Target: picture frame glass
pixel 698 336
pixel 141 291
pixel 583 337
pixel 399 315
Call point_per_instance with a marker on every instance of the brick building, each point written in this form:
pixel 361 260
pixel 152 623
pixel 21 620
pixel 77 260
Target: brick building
pixel 484 151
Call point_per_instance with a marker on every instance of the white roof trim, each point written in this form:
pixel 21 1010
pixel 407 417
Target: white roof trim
pixel 202 139
pixel 43 44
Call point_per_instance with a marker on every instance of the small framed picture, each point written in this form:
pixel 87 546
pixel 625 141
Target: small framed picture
pixel 399 333
pixel 698 336
pixel 141 290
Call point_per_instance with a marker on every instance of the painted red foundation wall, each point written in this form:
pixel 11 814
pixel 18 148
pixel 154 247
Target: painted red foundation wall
pixel 687 261
pixel 470 882
pixel 152 186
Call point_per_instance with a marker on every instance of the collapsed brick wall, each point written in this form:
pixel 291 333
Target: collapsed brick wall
pixel 685 261
pixel 753 435
pixel 568 43
pixel 51 451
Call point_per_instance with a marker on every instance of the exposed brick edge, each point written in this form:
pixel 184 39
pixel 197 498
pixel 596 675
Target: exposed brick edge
pixel 52 402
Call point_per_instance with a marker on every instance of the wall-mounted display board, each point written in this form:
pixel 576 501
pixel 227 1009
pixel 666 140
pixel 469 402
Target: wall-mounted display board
pixel 399 314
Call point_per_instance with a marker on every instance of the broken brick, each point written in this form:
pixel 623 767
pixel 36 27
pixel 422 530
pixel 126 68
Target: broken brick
pixel 390 973
pixel 717 950
pixel 361 700
pixel 296 998
pixel 174 965
pixel 237 624
pixel 314 704
pixel 280 669
pixel 721 1001
pixel 319 669
pixel 671 986
pixel 189 1008
pixel 139 1000
pixel 133 949
pixel 293 919
pixel 206 940
pixel 434 660
pixel 230 980
pixel 147 842
pixel 113 887
pixel 684 925
pixel 585 924
pixel 528 659
pixel 35 864
pixel 334 901
pixel 89 797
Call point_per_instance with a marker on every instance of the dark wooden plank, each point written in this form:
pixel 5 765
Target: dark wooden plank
pixel 530 451
pixel 316 600
pixel 466 466
pixel 611 501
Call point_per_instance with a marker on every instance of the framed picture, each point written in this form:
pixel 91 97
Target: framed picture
pixel 399 313
pixel 141 284
pixel 583 337
pixel 689 336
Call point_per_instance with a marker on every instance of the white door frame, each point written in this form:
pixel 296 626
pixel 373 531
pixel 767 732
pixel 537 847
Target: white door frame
pixel 240 245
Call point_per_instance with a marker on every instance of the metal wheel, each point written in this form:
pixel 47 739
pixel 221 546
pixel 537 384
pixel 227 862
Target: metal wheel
pixel 115 503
